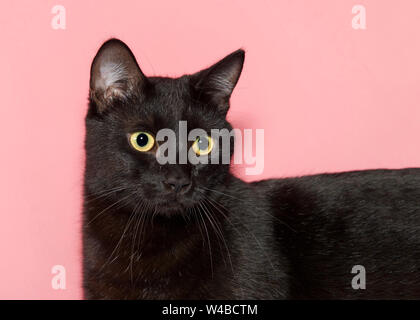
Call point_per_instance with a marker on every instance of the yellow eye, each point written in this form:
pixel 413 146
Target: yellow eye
pixel 142 141
pixel 203 145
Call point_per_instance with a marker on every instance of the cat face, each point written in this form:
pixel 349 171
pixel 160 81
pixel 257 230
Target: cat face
pixel 126 112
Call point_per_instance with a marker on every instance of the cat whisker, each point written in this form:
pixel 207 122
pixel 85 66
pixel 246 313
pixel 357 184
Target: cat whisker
pixel 104 193
pixel 216 227
pixel 260 210
pixel 192 210
pixel 208 242
pixel 141 235
pixel 249 231
pixel 107 208
pixel 227 249
pixel 140 206
pixel 130 219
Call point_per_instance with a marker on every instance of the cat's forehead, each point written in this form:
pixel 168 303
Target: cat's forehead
pixel 171 95
pixel 168 102
pixel 165 85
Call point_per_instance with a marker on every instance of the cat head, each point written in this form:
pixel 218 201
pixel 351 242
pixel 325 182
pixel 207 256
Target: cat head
pixel 127 110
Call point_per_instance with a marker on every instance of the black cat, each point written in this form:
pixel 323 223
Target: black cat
pixel 194 231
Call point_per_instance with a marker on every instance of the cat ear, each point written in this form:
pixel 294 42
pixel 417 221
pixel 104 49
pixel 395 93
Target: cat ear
pixel 114 74
pixel 217 82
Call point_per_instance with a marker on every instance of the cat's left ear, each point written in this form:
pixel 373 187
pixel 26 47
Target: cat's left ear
pixel 115 75
pixel 216 83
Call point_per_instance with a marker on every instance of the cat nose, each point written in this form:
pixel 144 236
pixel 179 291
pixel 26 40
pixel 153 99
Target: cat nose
pixel 177 184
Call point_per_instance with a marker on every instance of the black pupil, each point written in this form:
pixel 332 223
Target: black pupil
pixel 203 143
pixel 142 139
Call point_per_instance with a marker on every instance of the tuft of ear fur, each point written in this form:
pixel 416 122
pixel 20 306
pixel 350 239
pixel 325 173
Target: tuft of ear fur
pixel 217 82
pixel 114 74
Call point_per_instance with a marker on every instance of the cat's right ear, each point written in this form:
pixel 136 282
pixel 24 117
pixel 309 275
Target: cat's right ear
pixel 114 75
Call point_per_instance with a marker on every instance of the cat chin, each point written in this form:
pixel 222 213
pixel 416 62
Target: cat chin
pixel 171 204
pixel 170 209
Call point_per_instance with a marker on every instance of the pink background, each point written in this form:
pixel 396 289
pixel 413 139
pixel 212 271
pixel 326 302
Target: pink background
pixel 329 97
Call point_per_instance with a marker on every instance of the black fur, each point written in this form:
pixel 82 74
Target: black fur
pixel 224 238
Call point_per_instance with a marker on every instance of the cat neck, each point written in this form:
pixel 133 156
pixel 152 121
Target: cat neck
pixel 155 240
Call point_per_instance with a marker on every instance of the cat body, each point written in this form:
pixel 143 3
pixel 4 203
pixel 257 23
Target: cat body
pixel 194 231
pixel 341 221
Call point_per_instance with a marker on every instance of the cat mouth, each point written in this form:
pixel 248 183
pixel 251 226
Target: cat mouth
pixel 171 203
pixel 175 206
